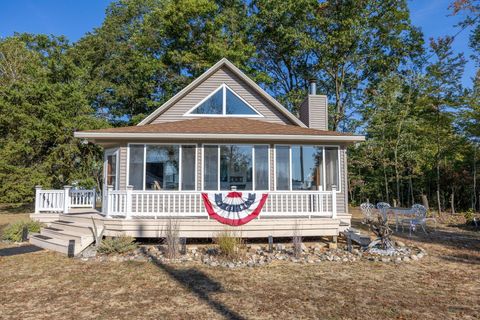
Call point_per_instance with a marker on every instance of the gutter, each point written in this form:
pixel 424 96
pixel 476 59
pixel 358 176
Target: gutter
pixel 216 136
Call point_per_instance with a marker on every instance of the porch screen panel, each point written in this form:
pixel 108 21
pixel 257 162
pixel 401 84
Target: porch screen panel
pixel 188 167
pixel 210 167
pixel 236 167
pixel 161 168
pixel 331 167
pixel 307 167
pixel 282 167
pixel 135 167
pixel 261 167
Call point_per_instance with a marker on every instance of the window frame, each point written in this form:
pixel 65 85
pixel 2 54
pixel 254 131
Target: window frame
pixel 324 166
pixel 224 114
pixel 218 165
pixel 180 177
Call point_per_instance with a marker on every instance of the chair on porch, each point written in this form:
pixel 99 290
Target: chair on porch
pixel 419 218
pixel 383 208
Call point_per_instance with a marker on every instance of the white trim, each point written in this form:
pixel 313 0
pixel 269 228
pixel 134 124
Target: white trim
pixel 224 88
pixel 208 73
pixel 216 136
pixel 180 145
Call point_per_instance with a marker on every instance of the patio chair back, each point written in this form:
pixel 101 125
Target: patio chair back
pixel 367 210
pixel 420 211
pixel 383 208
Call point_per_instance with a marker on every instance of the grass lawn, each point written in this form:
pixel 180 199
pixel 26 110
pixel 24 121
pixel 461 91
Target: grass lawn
pixel 443 285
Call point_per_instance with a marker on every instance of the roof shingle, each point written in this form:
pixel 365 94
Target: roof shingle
pixel 221 125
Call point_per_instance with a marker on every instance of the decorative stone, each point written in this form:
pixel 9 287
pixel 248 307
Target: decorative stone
pixel 332 245
pixel 400 244
pixel 414 257
pixel 406 259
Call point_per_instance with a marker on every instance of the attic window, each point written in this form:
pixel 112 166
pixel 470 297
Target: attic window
pixel 223 102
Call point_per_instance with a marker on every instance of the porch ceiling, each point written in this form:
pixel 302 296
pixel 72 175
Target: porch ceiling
pixel 220 128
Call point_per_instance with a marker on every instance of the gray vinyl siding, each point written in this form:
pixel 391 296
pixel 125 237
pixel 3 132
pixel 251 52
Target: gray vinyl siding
pixel 223 75
pixel 314 112
pixel 123 163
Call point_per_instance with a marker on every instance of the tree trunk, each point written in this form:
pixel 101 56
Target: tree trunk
pixel 425 201
pixel 385 180
pixel 397 177
pixel 438 160
pixel 452 201
pixel 411 189
pixel 474 202
pixel 438 202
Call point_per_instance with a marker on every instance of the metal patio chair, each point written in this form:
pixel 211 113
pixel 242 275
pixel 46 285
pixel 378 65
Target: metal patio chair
pixel 419 218
pixel 367 210
pixel 383 208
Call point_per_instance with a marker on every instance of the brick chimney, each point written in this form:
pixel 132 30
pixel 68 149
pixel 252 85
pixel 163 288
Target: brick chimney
pixel 314 109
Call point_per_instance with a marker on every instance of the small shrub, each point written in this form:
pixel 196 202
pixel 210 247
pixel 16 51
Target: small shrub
pixel 121 244
pixel 469 216
pixel 297 240
pixel 14 231
pixel 172 239
pixel 229 244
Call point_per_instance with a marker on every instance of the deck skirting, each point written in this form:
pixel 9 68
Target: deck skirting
pixel 203 227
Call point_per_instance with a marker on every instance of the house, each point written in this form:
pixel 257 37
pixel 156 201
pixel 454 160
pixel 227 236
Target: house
pixel 220 152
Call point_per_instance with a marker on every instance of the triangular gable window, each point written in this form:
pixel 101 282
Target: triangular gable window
pixel 223 102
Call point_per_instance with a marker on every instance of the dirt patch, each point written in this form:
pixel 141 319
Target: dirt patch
pixel 443 285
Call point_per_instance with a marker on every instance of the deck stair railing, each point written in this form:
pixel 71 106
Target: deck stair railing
pixel 157 204
pixel 63 200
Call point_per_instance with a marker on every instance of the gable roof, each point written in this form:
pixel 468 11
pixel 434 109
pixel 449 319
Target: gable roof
pixel 220 128
pixel 222 63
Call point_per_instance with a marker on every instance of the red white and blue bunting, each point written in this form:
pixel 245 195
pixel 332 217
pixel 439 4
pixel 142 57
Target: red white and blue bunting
pixel 233 208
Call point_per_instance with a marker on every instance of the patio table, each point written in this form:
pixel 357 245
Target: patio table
pixel 398 211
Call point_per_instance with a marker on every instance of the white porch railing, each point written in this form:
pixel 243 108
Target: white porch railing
pixel 63 200
pixel 130 203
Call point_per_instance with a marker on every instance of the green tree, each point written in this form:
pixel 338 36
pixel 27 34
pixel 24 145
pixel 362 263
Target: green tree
pixel 147 50
pixel 41 104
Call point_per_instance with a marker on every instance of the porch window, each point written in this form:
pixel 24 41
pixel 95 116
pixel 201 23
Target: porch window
pixel 242 166
pixel 210 167
pixel 307 168
pixel 223 102
pixel 331 167
pixel 162 167
pixel 135 167
pixel 282 167
pixel 310 167
pixel 236 167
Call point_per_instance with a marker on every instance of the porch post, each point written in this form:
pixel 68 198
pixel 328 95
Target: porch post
pixel 128 204
pixel 37 198
pixel 109 202
pixel 66 199
pixel 94 199
pixel 334 202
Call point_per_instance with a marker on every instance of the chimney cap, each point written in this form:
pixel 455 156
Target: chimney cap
pixel 312 87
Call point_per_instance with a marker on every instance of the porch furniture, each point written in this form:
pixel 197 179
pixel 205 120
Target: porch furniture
pixel 384 208
pixel 367 210
pixel 418 217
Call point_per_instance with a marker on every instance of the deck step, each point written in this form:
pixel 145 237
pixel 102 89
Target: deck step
pixel 53 244
pixel 67 235
pixel 58 234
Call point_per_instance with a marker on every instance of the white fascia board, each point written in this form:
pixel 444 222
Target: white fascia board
pixel 214 136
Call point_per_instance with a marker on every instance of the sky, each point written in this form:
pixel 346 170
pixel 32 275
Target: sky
pixel 74 18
